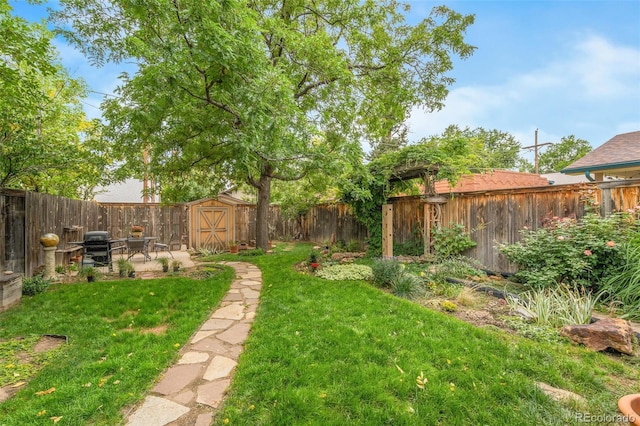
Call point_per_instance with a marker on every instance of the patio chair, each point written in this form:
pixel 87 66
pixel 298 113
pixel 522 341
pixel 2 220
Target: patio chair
pixel 138 245
pixel 161 246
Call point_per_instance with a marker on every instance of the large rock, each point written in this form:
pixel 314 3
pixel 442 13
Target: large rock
pixel 606 333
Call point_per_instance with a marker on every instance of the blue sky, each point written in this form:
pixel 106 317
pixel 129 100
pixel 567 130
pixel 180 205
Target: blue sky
pixel 563 67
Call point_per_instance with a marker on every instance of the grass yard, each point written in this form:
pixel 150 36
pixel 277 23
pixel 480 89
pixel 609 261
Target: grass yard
pixel 320 353
pixel 122 335
pixel 335 353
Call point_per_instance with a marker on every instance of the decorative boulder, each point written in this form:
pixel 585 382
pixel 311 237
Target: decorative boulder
pixel 606 333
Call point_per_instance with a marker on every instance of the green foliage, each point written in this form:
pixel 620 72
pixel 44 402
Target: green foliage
pixel 453 267
pixel 538 332
pixel 345 272
pixel 571 251
pixel 558 156
pixel 495 149
pixel 252 252
pixel 448 306
pixel 385 271
pixel 110 349
pixel 46 142
pixel 35 285
pixel 407 286
pixel 621 287
pixel 556 306
pixel 353 246
pixel 451 241
pixel 89 272
pixel 339 73
pixel 366 189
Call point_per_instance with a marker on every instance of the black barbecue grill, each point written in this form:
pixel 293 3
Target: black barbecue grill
pixel 97 248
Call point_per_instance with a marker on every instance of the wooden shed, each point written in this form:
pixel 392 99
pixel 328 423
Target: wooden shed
pixel 212 222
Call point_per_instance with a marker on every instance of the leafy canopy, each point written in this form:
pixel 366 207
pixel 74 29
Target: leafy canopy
pixel 46 142
pixel 236 91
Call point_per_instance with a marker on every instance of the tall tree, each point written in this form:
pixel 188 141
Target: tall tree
pixel 558 156
pixel 259 90
pixel 45 142
pixel 496 149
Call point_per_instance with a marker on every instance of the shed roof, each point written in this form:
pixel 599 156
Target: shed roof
pixel 619 156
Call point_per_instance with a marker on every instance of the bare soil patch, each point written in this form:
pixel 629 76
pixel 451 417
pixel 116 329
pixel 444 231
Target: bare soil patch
pixel 44 344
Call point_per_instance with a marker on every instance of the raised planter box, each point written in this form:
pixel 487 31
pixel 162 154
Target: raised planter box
pixel 10 290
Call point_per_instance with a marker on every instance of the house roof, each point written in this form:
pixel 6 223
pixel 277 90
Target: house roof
pixel 497 179
pixel 619 156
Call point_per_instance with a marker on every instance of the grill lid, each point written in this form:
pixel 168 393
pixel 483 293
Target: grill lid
pixel 97 236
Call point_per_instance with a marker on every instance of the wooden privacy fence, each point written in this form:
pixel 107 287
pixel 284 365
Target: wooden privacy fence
pixel 492 217
pixel 498 217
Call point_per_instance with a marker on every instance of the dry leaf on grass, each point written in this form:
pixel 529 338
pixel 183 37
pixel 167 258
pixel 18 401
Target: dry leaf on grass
pixel 46 392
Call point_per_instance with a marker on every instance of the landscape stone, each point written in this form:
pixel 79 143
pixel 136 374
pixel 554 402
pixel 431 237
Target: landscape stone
pixel 193 358
pixel 236 334
pixel 211 394
pixel 216 324
pixel 560 395
pixel 603 334
pixel 234 311
pixel 177 378
pixel 219 368
pixel 157 411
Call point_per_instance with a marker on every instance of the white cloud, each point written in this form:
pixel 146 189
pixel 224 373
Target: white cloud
pixel 606 70
pixel 594 84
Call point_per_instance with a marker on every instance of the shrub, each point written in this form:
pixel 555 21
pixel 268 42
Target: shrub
pixel 448 306
pixel 253 252
pixel 451 241
pixel 454 267
pixel 353 246
pixel 570 251
pixel 385 271
pixel 345 272
pixel 35 285
pixel 407 286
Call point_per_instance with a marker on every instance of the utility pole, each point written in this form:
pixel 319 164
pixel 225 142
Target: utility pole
pixel 535 151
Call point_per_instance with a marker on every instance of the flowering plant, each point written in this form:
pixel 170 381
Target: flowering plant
pixel 571 251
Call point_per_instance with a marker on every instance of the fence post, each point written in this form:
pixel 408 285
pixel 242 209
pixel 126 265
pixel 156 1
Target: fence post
pixel 387 231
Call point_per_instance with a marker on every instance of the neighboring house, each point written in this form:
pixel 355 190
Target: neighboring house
pixel 497 179
pixel 619 157
pixel 562 179
pixel 129 191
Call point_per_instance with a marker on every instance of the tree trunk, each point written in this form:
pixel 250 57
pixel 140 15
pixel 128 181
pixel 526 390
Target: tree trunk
pixel 262 211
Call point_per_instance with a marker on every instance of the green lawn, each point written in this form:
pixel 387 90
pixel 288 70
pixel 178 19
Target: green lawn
pixel 111 360
pixel 320 353
pixel 336 353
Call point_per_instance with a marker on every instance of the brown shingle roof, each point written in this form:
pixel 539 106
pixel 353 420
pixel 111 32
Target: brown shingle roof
pixel 497 179
pixel 621 153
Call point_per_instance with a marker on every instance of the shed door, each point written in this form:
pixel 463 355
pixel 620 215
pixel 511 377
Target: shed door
pixel 212 227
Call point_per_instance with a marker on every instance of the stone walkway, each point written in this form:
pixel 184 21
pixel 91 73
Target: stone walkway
pixel 190 391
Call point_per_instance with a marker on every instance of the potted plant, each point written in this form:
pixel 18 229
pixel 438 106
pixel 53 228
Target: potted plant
pixel 233 247
pixel 137 230
pixel 176 265
pixel 90 272
pixel 124 267
pixel 164 261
